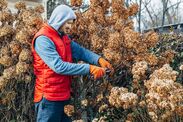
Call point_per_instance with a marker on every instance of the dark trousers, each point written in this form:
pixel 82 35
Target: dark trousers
pixel 51 111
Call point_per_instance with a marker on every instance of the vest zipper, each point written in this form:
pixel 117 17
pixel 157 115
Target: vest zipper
pixel 64 47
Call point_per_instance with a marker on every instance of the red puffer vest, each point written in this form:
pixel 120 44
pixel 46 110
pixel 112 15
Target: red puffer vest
pixel 52 86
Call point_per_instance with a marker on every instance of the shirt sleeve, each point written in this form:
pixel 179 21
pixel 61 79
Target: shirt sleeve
pixel 81 53
pixel 46 49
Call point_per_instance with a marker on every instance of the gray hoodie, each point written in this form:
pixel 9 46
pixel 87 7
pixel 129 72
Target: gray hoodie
pixel 60 15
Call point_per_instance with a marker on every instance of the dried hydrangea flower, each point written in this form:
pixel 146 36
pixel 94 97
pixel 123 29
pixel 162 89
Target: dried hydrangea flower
pixel 181 67
pixel 6 30
pixel 133 9
pixel 69 110
pixel 20 5
pixel 9 73
pixel 39 9
pixel 6 61
pixel 84 102
pixel 76 2
pixel 25 55
pixel 102 108
pixel 3 4
pixel 120 97
pixel 22 67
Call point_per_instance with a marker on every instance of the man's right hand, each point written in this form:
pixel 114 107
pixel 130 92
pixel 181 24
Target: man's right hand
pixel 97 72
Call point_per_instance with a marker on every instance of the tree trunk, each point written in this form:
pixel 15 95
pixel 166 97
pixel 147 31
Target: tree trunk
pixel 150 14
pixel 164 2
pixel 139 21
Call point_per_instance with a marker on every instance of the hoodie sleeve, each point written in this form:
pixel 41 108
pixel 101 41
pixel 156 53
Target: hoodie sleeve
pixel 81 53
pixel 46 49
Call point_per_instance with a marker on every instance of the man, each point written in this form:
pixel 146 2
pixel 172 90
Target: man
pixel 53 53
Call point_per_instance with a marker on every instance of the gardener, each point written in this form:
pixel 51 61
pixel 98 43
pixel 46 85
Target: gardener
pixel 53 54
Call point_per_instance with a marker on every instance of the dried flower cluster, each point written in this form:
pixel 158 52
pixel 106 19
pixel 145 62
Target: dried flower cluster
pixel 120 97
pixel 138 71
pixel 133 9
pixel 20 6
pixel 165 96
pixel 16 33
pixel 101 119
pixel 76 2
pixel 69 110
pixel 166 57
pixel 84 102
pixel 3 4
pixel 112 33
pixel 106 28
pixel 102 108
pixel 181 67
pixel 150 58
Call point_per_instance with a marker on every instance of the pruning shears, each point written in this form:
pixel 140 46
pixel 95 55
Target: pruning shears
pixel 107 74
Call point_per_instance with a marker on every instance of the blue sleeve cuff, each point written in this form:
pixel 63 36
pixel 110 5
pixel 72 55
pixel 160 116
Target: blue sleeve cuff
pixel 96 59
pixel 87 70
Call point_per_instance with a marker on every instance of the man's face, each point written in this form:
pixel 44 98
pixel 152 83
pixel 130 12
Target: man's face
pixel 67 26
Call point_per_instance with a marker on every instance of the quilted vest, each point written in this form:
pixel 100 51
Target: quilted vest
pixel 48 84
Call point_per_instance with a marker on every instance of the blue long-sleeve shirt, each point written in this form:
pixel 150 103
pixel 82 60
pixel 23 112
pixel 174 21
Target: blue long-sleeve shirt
pixel 46 49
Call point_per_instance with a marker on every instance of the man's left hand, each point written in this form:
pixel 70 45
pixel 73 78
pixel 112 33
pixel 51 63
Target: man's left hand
pixel 105 64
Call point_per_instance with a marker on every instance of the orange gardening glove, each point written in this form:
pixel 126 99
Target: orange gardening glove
pixel 97 72
pixel 105 64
